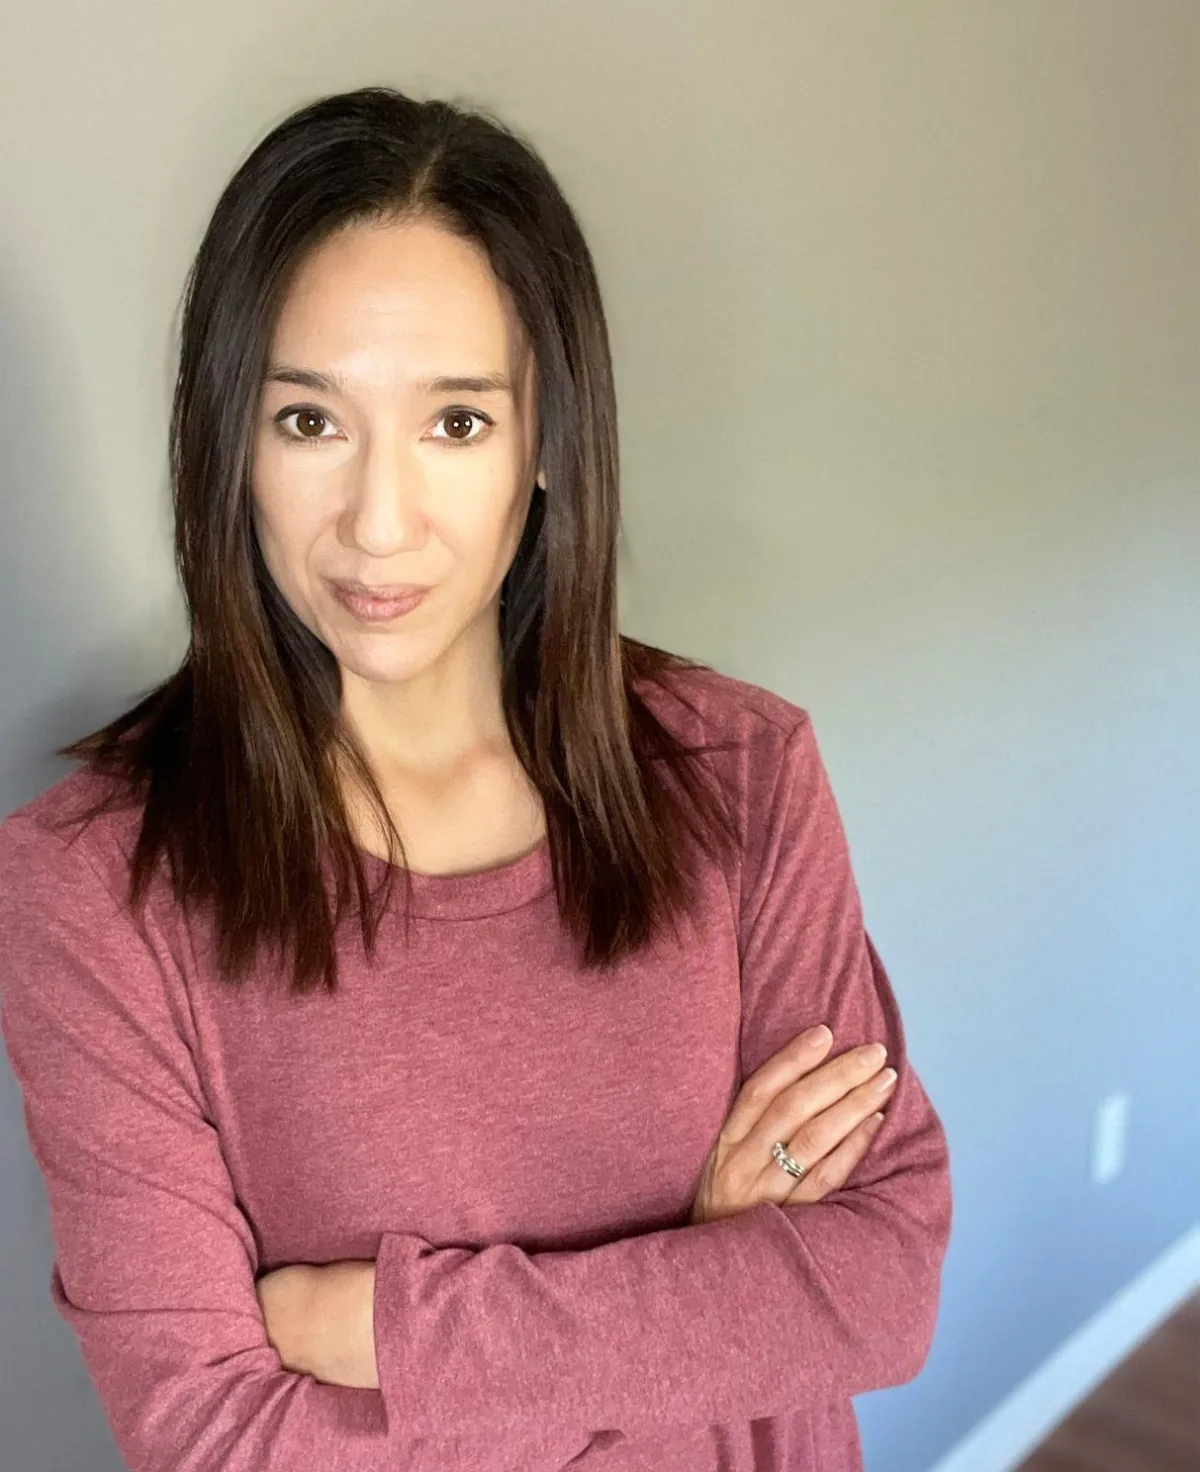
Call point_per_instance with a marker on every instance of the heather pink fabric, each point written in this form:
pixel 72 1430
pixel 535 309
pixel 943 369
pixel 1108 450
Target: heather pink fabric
pixel 516 1144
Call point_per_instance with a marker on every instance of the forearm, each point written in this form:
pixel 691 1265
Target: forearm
pixel 731 1320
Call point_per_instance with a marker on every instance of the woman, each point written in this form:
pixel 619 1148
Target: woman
pixel 563 1169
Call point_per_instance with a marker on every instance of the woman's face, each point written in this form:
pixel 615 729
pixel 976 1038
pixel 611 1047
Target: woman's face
pixel 375 475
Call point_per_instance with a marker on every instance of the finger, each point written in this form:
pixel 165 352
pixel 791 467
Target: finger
pixel 839 1145
pixel 819 1111
pixel 833 1171
pixel 794 1061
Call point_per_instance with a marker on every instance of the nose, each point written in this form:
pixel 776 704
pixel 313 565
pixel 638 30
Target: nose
pixel 385 509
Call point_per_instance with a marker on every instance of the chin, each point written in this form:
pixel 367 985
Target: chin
pixel 384 669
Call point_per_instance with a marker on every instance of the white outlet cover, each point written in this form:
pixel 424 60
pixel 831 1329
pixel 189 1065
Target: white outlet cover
pixel 1108 1141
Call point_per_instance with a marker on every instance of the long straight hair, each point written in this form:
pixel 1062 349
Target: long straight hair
pixel 233 758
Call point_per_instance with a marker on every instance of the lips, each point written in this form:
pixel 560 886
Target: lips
pixel 379 604
pixel 381 590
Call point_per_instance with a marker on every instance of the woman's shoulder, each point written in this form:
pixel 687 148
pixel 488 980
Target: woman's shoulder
pixel 701 702
pixel 42 829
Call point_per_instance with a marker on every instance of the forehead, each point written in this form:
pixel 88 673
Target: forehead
pixel 374 301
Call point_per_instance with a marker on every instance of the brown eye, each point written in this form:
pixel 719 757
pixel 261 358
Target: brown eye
pixel 306 419
pixel 309 423
pixel 461 419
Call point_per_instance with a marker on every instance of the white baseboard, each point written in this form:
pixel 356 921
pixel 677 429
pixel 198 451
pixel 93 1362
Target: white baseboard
pixel 1025 1417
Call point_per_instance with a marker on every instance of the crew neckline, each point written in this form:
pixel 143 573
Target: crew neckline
pixel 484 892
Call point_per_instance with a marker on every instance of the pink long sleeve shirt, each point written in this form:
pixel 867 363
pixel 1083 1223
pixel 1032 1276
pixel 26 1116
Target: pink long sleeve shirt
pixel 516 1145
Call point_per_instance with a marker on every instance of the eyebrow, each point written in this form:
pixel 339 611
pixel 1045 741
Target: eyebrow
pixel 332 383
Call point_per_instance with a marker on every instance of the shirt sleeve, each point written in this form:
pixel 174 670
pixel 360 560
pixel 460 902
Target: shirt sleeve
pixel 749 1316
pixel 155 1261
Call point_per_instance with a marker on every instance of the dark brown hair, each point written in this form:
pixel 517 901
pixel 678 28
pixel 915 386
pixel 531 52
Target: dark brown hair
pixel 233 757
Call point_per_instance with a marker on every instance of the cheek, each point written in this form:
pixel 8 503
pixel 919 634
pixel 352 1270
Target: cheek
pixel 285 536
pixel 480 530
pixel 518 515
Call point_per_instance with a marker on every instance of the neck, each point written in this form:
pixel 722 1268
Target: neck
pixel 429 727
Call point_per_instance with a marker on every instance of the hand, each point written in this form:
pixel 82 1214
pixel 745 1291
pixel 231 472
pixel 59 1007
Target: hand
pixel 320 1320
pixel 822 1112
pixel 286 1299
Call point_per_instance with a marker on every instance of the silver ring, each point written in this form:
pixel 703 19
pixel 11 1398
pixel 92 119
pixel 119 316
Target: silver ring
pixel 793 1167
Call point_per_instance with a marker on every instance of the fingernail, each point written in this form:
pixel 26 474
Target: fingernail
pixel 818 1037
pixel 885 1080
pixel 875 1121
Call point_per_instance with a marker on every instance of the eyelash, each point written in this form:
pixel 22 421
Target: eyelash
pixel 311 441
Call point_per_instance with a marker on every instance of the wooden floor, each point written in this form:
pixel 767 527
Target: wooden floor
pixel 1145 1417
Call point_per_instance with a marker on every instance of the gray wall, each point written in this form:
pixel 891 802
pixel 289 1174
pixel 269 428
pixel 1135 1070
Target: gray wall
pixel 905 305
